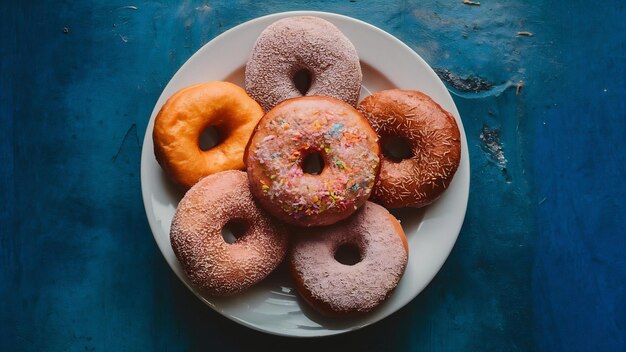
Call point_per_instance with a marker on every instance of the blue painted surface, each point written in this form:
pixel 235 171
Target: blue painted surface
pixel 539 264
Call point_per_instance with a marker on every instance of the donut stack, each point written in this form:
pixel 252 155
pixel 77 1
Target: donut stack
pixel 313 158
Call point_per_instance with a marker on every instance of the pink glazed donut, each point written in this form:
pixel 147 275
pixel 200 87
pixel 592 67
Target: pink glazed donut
pixel 293 132
pixel 303 44
pixel 212 265
pixel 336 289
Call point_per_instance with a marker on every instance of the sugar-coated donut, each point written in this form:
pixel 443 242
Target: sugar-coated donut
pixel 212 265
pixel 296 129
pixel 303 43
pixel 434 140
pixel 338 289
pixel 187 113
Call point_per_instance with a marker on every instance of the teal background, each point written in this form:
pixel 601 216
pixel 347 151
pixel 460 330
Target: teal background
pixel 539 264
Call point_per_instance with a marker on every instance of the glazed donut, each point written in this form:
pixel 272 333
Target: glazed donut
pixel 187 113
pixel 301 43
pixel 212 265
pixel 312 126
pixel 338 289
pixel 432 136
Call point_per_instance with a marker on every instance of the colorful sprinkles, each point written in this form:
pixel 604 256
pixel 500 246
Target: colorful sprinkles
pixel 349 152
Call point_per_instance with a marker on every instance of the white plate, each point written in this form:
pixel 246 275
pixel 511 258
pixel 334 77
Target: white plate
pixel 272 305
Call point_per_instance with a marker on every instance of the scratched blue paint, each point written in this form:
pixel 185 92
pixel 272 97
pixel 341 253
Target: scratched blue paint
pixel 539 264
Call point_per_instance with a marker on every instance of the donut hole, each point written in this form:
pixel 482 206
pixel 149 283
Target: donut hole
pixel 348 254
pixel 234 230
pixel 209 138
pixel 396 148
pixel 302 80
pixel 313 163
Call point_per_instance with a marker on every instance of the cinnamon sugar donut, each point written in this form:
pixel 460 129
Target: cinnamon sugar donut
pixel 187 113
pixel 338 289
pixel 304 43
pixel 434 141
pixel 212 265
pixel 312 126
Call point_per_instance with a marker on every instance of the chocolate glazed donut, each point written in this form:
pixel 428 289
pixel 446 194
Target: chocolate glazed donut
pixel 308 45
pixel 432 136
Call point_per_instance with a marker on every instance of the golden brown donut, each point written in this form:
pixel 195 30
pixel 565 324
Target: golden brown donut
pixel 339 288
pixel 187 113
pixel 212 265
pixel 297 128
pixel 433 138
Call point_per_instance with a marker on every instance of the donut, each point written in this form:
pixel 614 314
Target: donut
pixel 212 265
pixel 340 289
pixel 431 134
pixel 184 117
pixel 292 133
pixel 302 45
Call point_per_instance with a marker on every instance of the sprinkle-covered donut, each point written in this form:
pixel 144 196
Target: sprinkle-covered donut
pixel 308 45
pixel 184 117
pixel 340 289
pixel 293 132
pixel 212 265
pixel 432 136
